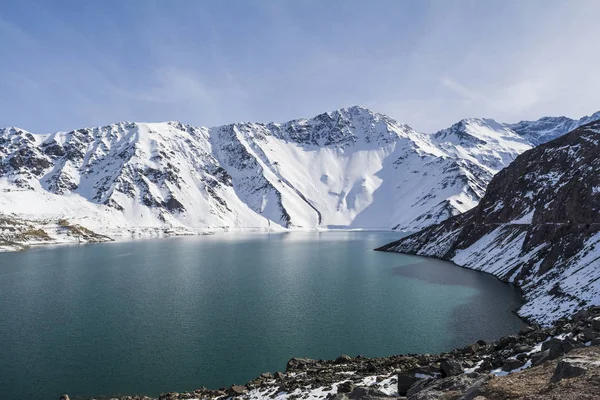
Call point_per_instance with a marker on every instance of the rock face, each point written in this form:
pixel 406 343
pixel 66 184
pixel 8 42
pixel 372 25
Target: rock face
pixel 347 168
pixel 538 226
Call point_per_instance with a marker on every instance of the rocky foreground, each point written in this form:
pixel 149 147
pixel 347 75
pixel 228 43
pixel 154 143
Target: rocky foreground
pixel 557 362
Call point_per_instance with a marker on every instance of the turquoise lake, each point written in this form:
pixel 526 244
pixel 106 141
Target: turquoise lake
pixel 158 315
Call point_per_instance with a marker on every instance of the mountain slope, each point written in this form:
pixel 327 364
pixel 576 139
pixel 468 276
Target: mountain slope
pixel 350 168
pixel 537 226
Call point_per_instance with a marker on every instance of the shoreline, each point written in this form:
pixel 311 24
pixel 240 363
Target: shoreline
pixel 144 233
pixel 468 370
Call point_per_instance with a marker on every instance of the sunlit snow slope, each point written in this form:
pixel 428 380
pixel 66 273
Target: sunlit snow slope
pixel 350 168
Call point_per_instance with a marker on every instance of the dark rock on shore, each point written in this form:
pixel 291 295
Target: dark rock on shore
pixel 406 380
pixel 237 390
pixel 450 387
pixel 299 363
pixel 450 367
pixel 568 368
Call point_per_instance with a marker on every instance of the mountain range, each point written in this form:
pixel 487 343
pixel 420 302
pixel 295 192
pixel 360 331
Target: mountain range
pixel 351 168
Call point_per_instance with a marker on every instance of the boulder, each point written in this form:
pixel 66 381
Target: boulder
pixel 486 365
pixel 468 384
pixel 279 375
pixel 522 348
pixel 588 334
pixel 506 341
pixel 555 347
pixel 596 324
pixel 570 344
pixel 371 367
pixel 64 397
pixel 343 359
pixel 471 349
pixel 526 330
pixel 522 357
pixel 237 390
pixel 568 368
pixel 581 315
pixel 169 396
pixel 546 345
pixel 450 367
pixel 266 375
pixel 474 390
pixel 345 387
pixel 405 381
pixel 361 393
pixel 540 357
pixel 298 363
pixel 512 364
pixel 418 387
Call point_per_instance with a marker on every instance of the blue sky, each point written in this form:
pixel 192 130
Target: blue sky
pixel 70 64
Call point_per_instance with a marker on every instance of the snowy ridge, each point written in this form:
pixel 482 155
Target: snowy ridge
pixel 350 168
pixel 538 226
pixel 548 128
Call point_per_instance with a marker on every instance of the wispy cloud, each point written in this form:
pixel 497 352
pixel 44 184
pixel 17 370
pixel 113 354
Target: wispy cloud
pixel 425 63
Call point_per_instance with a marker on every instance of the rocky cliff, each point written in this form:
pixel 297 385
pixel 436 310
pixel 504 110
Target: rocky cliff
pixel 538 226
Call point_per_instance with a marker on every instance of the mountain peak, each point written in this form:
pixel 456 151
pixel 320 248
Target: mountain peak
pixel 354 112
pixel 11 130
pixel 342 127
pixel 357 109
pixel 475 129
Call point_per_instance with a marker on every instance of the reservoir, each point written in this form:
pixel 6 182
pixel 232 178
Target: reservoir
pixel 157 315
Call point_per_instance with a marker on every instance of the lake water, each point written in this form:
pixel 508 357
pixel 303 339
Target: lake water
pixel 151 316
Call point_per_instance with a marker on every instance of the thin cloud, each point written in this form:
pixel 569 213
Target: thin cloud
pixel 427 64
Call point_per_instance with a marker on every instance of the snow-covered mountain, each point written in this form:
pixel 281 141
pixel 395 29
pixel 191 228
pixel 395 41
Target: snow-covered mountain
pixel 350 168
pixel 537 226
pixel 548 128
